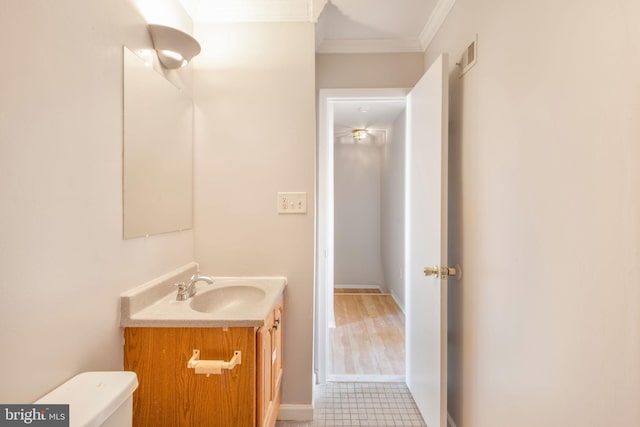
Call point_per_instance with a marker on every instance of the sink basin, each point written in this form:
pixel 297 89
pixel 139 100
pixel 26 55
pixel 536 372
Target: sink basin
pixel 227 298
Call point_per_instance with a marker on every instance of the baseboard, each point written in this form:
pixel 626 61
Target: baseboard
pixel 347 286
pixel 393 295
pixel 450 421
pixel 295 412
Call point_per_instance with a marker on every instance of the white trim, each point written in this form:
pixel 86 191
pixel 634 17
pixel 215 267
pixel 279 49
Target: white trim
pixel 295 412
pixel 450 421
pixel 395 298
pixel 370 46
pixel 348 286
pixel 431 28
pixel 324 212
pixel 324 316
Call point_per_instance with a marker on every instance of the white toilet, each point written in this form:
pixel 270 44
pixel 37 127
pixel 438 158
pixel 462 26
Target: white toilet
pixel 95 399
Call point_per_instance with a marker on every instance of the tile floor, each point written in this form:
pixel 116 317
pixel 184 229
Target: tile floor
pixel 362 404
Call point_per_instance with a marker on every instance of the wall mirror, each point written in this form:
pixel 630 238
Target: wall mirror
pixel 157 152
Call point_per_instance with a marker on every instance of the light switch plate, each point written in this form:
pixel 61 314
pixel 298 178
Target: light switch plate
pixel 292 203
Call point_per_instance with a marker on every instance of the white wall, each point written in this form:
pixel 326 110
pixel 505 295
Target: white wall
pixel 357 177
pixel 392 209
pixel 381 70
pixel 545 213
pixel 255 136
pixel 63 262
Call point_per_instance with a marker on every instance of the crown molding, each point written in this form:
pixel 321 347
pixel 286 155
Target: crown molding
pixel 370 46
pixel 256 11
pixel 436 19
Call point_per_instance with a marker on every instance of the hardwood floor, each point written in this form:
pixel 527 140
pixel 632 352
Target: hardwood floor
pixel 369 337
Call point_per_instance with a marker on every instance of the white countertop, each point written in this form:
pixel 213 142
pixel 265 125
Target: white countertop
pixel 154 303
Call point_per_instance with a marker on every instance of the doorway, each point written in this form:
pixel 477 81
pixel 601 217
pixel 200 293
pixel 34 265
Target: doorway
pixel 360 236
pixel 425 231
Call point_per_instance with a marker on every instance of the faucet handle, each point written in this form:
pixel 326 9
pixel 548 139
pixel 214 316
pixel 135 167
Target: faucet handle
pixel 182 291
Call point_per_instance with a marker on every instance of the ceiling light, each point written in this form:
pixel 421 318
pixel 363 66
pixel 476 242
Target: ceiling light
pixel 359 134
pixel 175 48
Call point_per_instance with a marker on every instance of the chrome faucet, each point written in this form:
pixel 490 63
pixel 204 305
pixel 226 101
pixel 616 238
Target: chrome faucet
pixel 187 290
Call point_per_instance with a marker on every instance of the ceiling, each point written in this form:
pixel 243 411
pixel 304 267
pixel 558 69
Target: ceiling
pixel 372 25
pixel 366 114
pixel 342 26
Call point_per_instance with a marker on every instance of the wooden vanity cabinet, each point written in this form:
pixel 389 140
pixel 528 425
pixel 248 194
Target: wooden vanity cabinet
pixel 172 395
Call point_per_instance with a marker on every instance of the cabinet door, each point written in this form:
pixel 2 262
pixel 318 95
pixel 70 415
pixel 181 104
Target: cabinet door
pixel 270 367
pixel 264 373
pixel 171 395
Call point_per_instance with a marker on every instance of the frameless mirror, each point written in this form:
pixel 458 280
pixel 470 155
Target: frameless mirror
pixel 157 152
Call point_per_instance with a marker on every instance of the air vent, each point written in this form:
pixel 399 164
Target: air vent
pixel 469 57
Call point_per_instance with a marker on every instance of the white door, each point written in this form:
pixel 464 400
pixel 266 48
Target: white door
pixel 426 242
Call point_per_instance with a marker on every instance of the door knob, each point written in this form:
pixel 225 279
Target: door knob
pixel 443 271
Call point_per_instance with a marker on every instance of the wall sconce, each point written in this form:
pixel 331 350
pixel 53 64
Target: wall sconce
pixel 174 47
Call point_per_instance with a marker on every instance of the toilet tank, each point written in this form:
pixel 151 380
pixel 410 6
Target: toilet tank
pixel 95 399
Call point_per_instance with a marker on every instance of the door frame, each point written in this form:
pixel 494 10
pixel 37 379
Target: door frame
pixel 324 316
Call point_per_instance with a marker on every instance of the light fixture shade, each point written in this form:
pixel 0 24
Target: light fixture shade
pixel 175 48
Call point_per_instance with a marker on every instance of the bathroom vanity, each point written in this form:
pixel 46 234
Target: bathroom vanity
pixel 213 360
